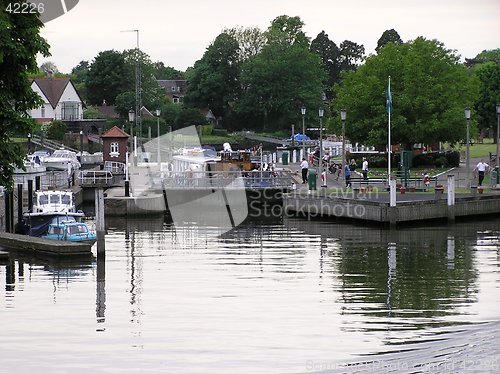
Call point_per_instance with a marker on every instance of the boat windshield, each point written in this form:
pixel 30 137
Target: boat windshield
pixel 66 199
pixel 43 199
pixel 54 199
pixel 77 229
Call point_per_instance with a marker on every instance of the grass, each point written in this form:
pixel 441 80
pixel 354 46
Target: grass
pixel 479 150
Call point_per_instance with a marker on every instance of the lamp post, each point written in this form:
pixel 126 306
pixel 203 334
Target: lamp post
pixel 158 112
pixel 29 143
pixel 303 111
pixel 81 144
pixel 320 112
pixel 343 116
pixel 131 118
pixel 467 164
pixel 498 138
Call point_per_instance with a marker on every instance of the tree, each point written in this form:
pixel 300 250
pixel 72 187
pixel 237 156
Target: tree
pixel 107 77
pixel 329 54
pixel 389 36
pixel 284 76
pixel 429 89
pixel 166 72
pixel 251 40
pixel 56 130
pixel 214 80
pixel 20 42
pixel 79 76
pixel 489 94
pixel 124 102
pixel 49 68
pixel 351 54
pixel 189 117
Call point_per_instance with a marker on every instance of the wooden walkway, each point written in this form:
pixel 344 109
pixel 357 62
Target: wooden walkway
pixel 42 246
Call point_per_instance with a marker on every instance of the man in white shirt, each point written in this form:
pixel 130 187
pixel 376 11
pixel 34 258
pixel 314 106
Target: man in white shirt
pixel 304 166
pixel 364 169
pixel 481 167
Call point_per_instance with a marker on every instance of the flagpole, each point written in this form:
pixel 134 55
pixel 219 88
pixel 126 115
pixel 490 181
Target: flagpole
pixel 389 133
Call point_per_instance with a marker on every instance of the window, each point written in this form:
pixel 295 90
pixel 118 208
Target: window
pixel 69 110
pixel 114 149
pixel 43 112
pixel 173 88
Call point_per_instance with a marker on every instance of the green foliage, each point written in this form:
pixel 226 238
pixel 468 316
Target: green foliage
pixel 124 102
pixel 389 36
pixel 56 130
pixel 166 72
pixel 20 42
pixel 214 81
pixel 330 57
pixel 437 159
pixel 107 77
pixel 429 90
pixel 489 94
pixel 207 130
pixel 91 112
pixel 189 117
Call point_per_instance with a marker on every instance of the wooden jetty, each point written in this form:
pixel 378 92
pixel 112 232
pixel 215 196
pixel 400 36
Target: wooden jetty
pixel 43 246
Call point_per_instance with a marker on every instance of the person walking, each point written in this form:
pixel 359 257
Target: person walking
pixel 304 166
pixel 364 169
pixel 347 176
pixel 481 168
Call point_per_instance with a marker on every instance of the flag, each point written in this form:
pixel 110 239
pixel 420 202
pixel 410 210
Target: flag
pixel 388 102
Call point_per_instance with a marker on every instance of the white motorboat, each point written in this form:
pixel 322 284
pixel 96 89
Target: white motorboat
pixel 33 164
pixel 60 159
pixel 49 207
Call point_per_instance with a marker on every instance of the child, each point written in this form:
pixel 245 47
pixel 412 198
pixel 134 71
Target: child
pixel 427 180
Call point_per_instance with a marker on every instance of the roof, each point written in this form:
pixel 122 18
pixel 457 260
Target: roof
pixel 108 111
pixel 115 132
pixel 53 88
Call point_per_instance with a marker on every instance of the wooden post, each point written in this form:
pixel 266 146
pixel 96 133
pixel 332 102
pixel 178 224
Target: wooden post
pixel 392 203
pixel 99 210
pixel 7 210
pixel 30 194
pixel 19 203
pixel 37 183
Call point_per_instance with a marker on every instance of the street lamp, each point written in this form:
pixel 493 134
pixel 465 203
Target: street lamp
pixel 467 165
pixel 320 112
pixel 303 111
pixel 158 112
pixel 81 144
pixel 343 116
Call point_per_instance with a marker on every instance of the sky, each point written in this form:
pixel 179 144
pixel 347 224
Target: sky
pixel 178 32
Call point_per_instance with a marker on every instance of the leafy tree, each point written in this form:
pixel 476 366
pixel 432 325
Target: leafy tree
pixel 489 94
pixel 166 72
pixel 251 40
pixel 56 130
pixel 124 102
pixel 20 42
pixel 329 54
pixel 484 57
pixel 389 36
pixel 49 67
pixel 429 89
pixel 214 80
pixel 189 117
pixel 79 77
pixel 351 54
pixel 151 92
pixel 107 77
pixel 91 112
pixel 282 77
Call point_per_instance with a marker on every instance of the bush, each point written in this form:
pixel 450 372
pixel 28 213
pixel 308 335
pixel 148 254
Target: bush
pixel 56 130
pixel 437 159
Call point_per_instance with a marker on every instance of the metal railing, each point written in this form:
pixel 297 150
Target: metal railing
pixel 217 179
pixel 114 167
pixel 89 178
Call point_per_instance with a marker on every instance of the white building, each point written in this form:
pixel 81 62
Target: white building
pixel 61 100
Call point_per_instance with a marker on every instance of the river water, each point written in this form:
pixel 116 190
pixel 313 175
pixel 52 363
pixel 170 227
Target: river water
pixel 272 296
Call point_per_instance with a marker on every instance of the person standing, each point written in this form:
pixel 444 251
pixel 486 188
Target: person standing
pixel 364 168
pixel 481 168
pixel 347 176
pixel 304 166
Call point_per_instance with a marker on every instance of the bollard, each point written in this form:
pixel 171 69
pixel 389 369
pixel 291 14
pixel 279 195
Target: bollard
pixel 127 188
pixel 7 210
pixel 37 183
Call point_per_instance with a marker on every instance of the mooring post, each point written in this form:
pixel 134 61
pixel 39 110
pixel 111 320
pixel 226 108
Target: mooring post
pixel 100 308
pixel 19 203
pixel 30 194
pixel 37 183
pixel 7 210
pixel 99 212
pixel 451 197
pixel 392 203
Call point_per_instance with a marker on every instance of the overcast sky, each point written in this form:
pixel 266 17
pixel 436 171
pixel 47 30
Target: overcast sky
pixel 178 32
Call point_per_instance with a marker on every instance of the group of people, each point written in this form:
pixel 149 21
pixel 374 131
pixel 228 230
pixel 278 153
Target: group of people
pixel 336 169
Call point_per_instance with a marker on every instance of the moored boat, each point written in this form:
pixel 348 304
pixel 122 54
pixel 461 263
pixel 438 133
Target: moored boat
pixel 70 231
pixel 60 159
